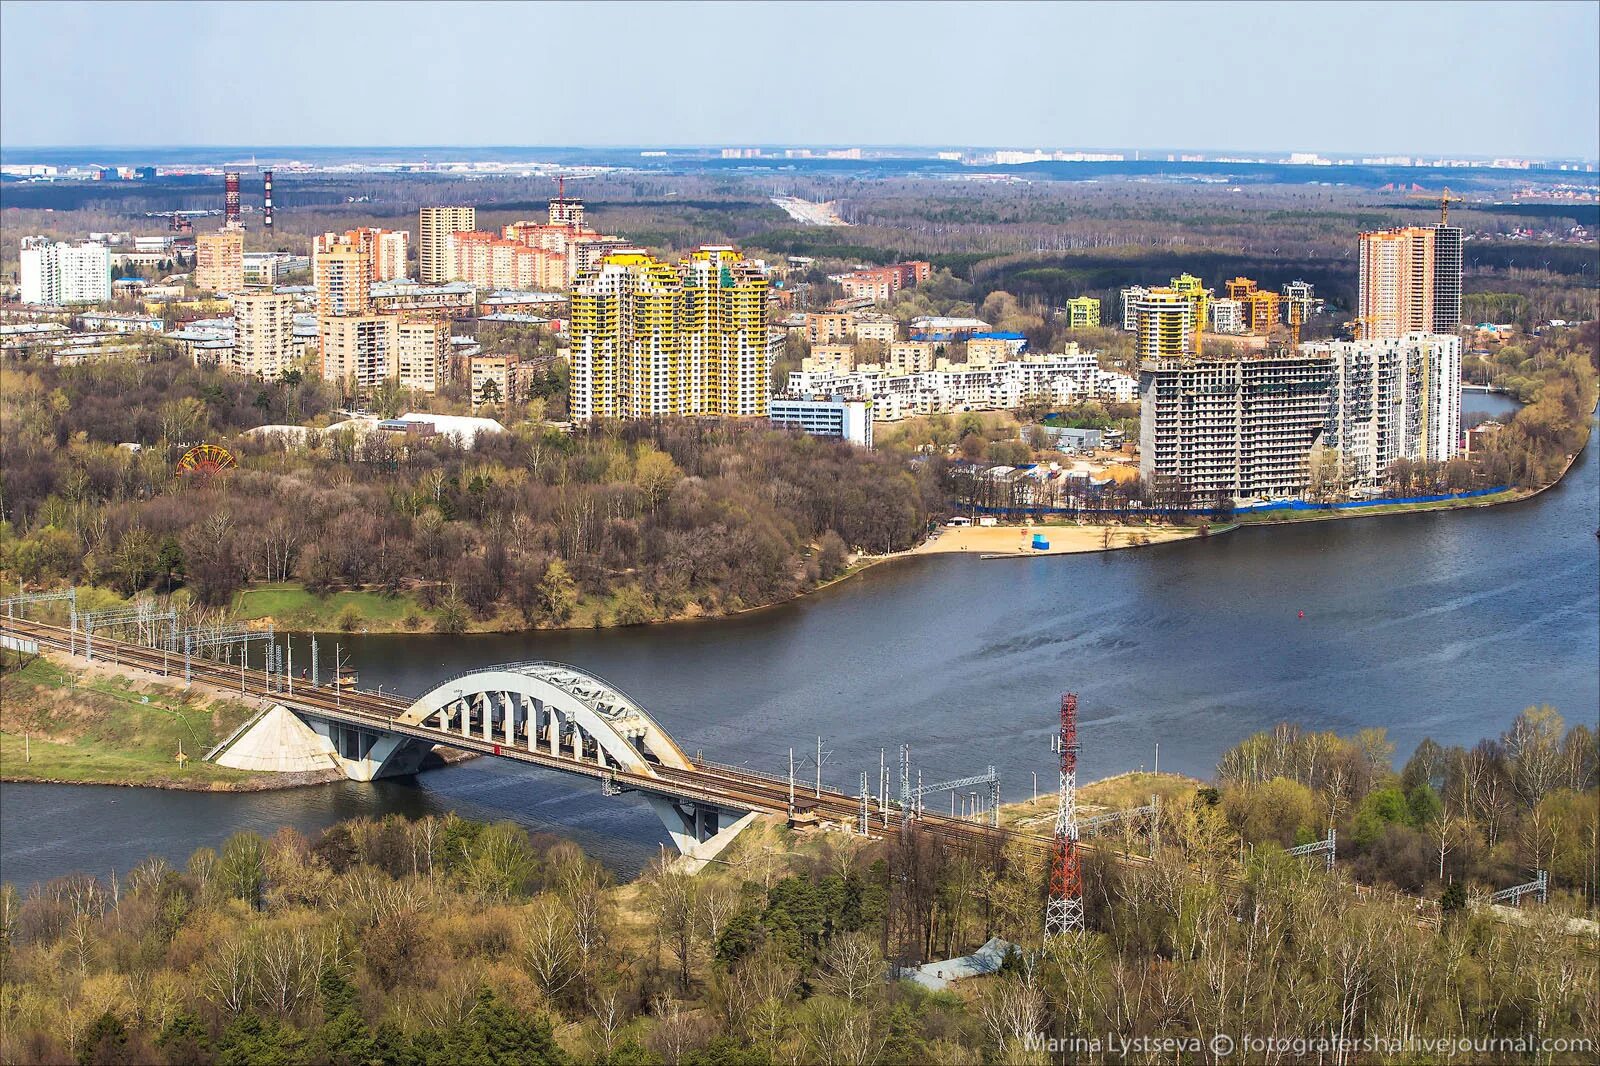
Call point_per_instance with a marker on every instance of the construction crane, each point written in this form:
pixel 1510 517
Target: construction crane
pixel 1297 314
pixel 1445 200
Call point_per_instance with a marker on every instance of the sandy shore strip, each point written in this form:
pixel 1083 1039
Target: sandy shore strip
pixel 1064 540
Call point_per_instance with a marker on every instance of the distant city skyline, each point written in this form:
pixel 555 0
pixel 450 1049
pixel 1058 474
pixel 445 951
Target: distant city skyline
pixel 1374 79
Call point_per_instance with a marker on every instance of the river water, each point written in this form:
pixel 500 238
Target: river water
pixel 1441 624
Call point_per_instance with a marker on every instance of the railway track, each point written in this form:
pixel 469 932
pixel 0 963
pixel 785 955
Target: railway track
pixel 719 784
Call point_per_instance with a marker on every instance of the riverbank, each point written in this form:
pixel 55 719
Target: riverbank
pixel 71 722
pixel 66 721
pixel 1064 539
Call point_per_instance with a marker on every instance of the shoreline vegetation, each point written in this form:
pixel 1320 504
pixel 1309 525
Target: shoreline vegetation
pixel 66 721
pixel 444 940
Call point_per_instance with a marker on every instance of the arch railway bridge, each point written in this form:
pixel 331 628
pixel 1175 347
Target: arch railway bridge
pixel 543 714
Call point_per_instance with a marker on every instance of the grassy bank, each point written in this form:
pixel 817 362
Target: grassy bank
pixel 91 725
pixel 1273 518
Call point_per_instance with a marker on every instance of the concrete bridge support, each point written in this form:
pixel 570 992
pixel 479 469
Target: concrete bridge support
pixel 700 831
pixel 284 741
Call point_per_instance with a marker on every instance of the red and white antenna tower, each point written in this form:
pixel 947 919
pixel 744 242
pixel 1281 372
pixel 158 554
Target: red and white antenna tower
pixel 1063 911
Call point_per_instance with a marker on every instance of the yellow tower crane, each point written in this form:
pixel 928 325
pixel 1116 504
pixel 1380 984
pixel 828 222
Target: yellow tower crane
pixel 1445 200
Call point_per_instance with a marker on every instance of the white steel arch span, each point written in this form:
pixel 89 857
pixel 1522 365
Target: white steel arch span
pixel 550 708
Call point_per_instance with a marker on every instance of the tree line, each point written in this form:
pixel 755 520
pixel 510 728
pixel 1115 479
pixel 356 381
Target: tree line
pixel 645 519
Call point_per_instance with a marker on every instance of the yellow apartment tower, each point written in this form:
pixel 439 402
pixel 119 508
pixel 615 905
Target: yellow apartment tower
pixel 654 340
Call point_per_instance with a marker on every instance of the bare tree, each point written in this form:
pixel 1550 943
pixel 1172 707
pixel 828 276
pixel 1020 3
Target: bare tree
pixel 852 966
pixel 549 950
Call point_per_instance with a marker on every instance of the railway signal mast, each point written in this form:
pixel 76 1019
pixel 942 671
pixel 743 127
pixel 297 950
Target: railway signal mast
pixel 1063 911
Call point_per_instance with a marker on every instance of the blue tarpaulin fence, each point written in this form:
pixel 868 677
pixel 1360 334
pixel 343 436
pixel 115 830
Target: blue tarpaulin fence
pixel 1255 508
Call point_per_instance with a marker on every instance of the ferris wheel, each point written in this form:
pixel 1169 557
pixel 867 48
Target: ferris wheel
pixel 206 459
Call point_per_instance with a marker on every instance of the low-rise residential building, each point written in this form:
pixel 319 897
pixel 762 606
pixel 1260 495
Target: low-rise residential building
pixel 106 321
pixel 985 349
pixel 880 330
pixel 943 328
pixel 826 328
pixel 495 379
pixel 268 269
pixel 832 358
pixel 451 301
pixel 1062 378
pixel 1083 312
pixel 909 357
pixel 849 420
pixel 880 284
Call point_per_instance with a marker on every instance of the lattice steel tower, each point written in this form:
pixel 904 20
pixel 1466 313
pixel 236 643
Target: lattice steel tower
pixel 1063 911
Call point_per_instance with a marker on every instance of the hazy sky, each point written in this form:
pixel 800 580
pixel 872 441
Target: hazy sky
pixel 1458 78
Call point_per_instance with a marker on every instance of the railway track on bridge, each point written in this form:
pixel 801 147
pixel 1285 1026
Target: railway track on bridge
pixel 749 790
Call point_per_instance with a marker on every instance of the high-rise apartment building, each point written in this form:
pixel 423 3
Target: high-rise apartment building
pixel 263 334
pixel 55 273
pixel 1083 312
pixel 1130 299
pixel 1392 399
pixel 492 262
pixel 1240 426
pixel 1164 323
pixel 650 339
pixel 422 354
pixel 359 351
pixel 1447 271
pixel 219 260
pixel 343 274
pixel 386 248
pixel 1410 281
pixel 435 224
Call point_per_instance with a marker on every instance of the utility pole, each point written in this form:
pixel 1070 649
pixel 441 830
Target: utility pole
pixel 1158 758
pixel 819 766
pixel 313 662
pixel 791 784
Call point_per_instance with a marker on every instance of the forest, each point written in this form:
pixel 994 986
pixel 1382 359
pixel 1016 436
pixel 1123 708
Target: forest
pixel 440 940
pixel 638 521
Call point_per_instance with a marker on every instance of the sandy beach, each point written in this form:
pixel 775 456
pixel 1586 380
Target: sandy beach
pixel 1064 540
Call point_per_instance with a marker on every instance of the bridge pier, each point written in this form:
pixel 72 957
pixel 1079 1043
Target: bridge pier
pixel 700 831
pixel 285 741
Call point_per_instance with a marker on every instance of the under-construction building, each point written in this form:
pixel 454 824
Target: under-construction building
pixel 1243 427
pixel 1392 399
pixel 1410 281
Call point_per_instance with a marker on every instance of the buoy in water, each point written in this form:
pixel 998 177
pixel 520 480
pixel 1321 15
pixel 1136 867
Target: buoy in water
pixel 1302 614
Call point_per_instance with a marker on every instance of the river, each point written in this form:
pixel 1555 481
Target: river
pixel 1432 624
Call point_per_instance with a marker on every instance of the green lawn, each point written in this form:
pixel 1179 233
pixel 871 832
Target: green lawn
pixel 290 606
pixel 59 725
pixel 1281 517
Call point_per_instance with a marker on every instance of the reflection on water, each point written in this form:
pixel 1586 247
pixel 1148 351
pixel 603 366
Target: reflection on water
pixel 1429 624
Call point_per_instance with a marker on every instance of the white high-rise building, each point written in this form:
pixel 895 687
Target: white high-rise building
pixel 54 272
pixel 1389 399
pixel 263 331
